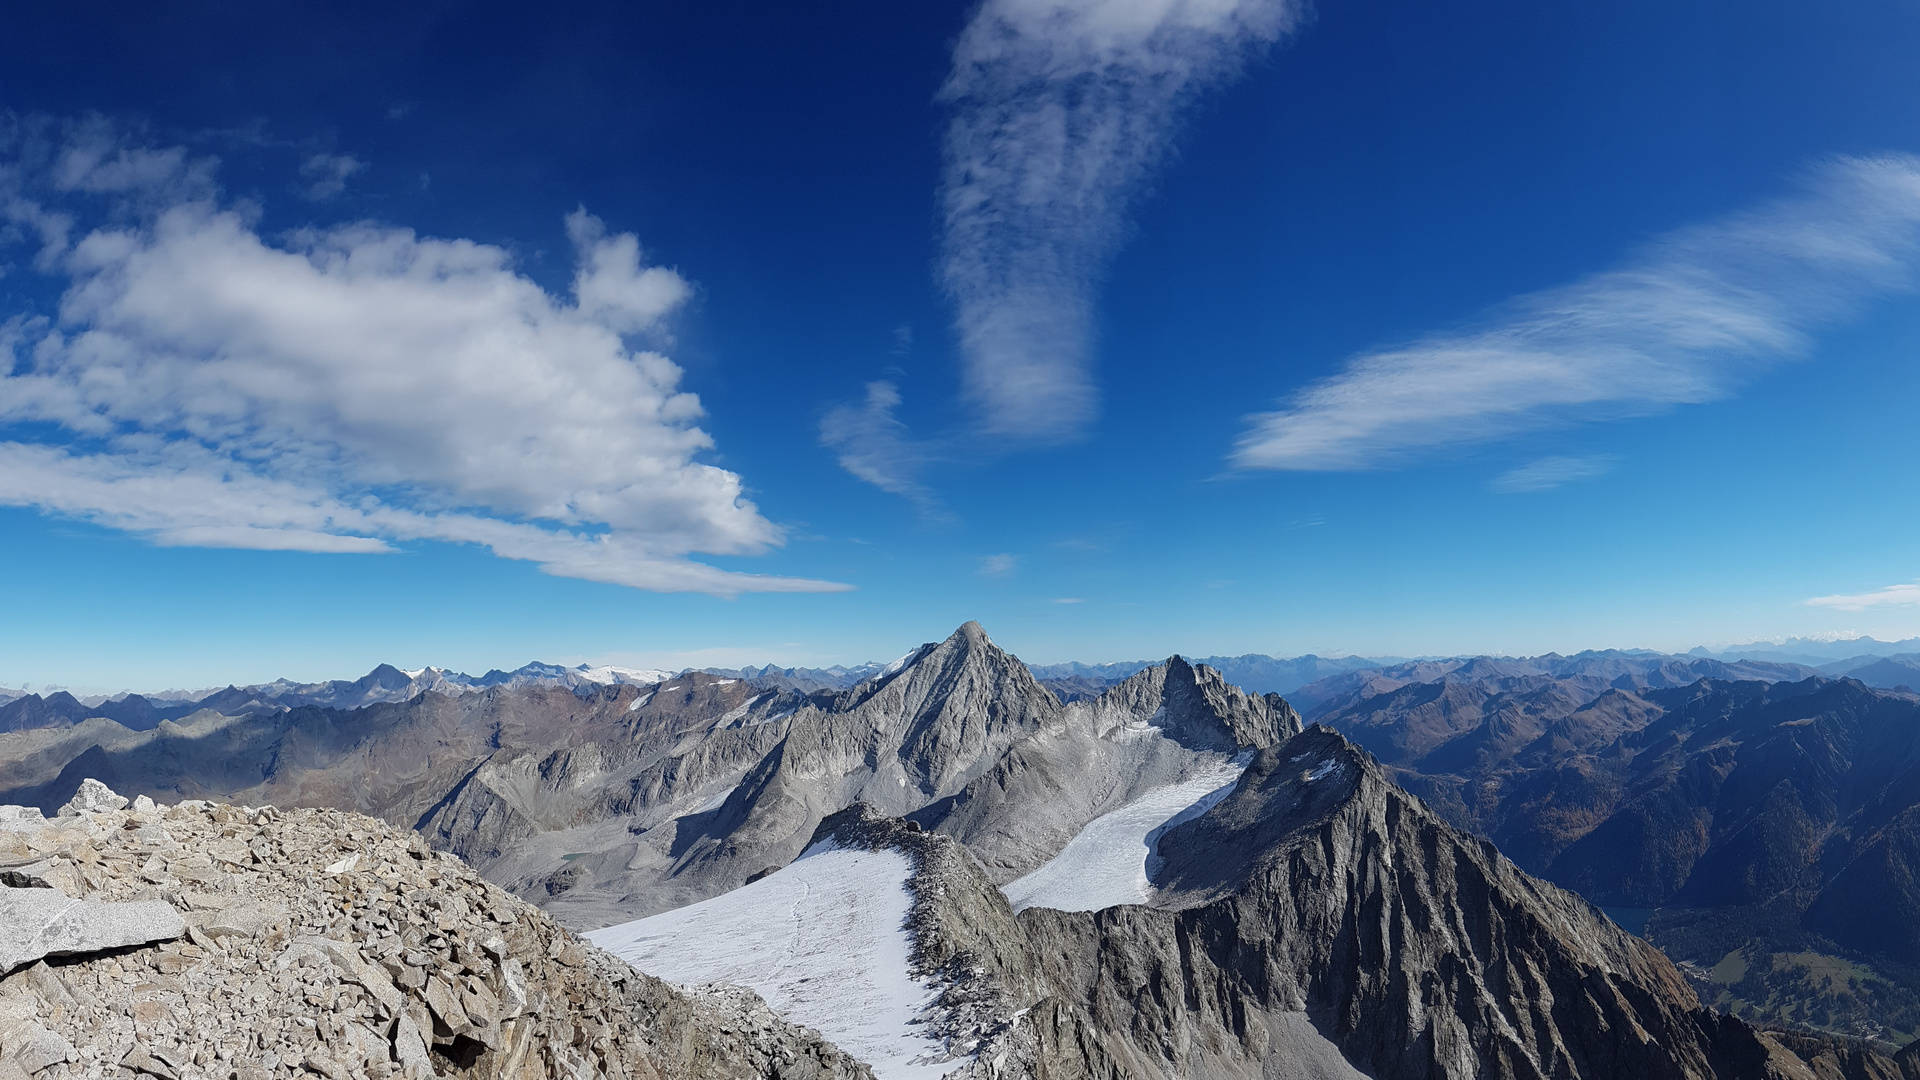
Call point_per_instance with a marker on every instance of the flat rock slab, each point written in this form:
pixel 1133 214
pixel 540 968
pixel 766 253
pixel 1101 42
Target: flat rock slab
pixel 36 923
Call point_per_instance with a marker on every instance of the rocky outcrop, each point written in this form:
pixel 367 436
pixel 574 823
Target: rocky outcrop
pixel 1321 923
pixel 1318 887
pixel 321 943
pixel 1161 726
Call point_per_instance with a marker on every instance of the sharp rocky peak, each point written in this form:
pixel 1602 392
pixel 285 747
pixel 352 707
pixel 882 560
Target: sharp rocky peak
pixel 1318 888
pixel 965 680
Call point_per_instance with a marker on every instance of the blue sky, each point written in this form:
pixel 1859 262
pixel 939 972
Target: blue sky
pixel 697 333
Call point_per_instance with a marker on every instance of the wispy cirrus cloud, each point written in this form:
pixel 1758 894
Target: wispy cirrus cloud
pixel 1060 111
pixel 1696 313
pixel 1548 473
pixel 872 443
pixel 342 389
pixel 1904 595
pixel 999 566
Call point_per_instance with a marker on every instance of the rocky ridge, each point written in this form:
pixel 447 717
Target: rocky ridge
pixel 319 943
pixel 1318 923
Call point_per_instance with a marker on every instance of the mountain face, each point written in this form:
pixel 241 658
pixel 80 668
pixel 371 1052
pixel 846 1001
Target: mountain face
pixel 1317 922
pixel 61 709
pixel 1587 673
pixel 944 738
pixel 1887 672
pixel 627 799
pixel 1253 672
pixel 1751 828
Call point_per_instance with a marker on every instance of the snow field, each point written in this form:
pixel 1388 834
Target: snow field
pixel 824 941
pixel 1107 862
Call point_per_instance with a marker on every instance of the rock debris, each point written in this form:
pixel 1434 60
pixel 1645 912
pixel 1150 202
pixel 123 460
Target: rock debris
pixel 205 941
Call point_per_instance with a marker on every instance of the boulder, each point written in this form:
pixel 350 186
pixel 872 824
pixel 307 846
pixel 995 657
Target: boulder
pixel 92 798
pixel 36 923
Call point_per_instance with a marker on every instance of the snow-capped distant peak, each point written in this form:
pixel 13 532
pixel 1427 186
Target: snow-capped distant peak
pixel 610 674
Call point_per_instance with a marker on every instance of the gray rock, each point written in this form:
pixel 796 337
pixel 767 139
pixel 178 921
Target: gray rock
pixel 142 1060
pixel 32 1046
pixel 21 819
pixel 245 919
pixel 347 958
pixel 36 923
pixel 409 1045
pixel 93 797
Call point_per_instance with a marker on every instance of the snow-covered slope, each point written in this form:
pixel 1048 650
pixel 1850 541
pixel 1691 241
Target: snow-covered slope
pixel 1107 862
pixel 824 941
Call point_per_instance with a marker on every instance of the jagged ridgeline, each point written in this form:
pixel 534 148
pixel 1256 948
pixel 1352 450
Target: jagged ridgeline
pixel 947 870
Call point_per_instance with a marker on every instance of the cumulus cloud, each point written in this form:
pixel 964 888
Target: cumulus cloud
pixel 341 389
pixel 1907 595
pixel 1550 472
pixel 611 287
pixel 1061 109
pixel 1695 314
pixel 326 174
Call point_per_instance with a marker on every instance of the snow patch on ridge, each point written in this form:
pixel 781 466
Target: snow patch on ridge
pixel 741 709
pixel 1111 860
pixel 717 801
pixel 824 941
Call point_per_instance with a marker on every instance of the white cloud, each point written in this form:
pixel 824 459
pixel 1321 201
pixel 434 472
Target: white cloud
pixel 999 566
pixel 874 445
pixel 326 174
pixel 1696 313
pixel 1892 596
pixel 610 286
pixel 343 388
pixel 1061 110
pixel 1550 472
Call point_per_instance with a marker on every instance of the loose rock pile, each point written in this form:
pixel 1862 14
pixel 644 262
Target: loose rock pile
pixel 238 943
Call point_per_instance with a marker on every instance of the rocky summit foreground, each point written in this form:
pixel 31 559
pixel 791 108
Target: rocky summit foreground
pixel 231 943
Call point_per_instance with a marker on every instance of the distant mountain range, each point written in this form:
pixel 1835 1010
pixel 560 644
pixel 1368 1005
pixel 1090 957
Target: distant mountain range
pixel 1813 652
pixel 1292 913
pixel 385 683
pixel 1884 664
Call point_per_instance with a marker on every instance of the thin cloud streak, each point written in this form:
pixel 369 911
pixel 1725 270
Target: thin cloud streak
pixel 873 444
pixel 1061 110
pixel 1550 472
pixel 999 566
pixel 1905 595
pixel 1696 314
